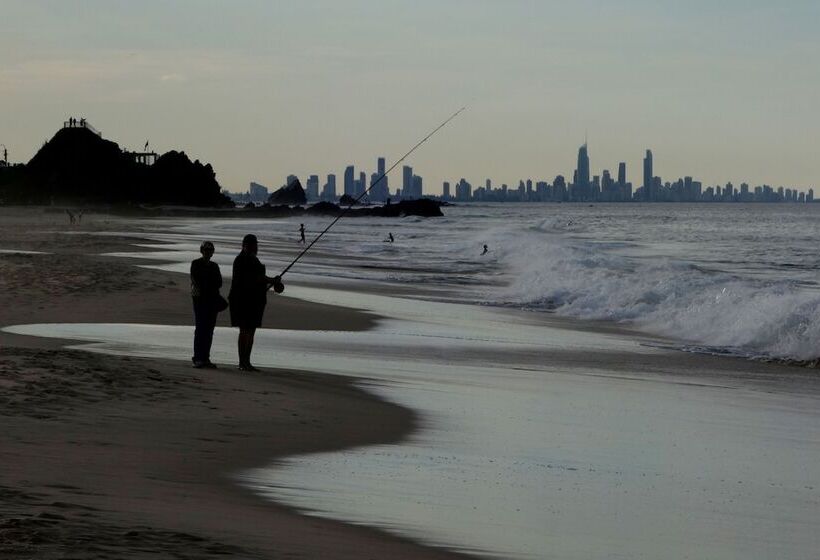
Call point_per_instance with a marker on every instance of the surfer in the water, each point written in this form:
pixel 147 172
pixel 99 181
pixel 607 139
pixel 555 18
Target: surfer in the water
pixel 485 250
pixel 390 238
pixel 302 233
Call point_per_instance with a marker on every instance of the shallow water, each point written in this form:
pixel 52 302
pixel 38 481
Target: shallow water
pixel 524 456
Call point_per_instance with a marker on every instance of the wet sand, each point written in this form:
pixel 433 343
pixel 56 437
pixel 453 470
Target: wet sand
pixel 118 457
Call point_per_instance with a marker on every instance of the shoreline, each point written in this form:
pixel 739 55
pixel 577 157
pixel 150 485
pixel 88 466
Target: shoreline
pixel 133 457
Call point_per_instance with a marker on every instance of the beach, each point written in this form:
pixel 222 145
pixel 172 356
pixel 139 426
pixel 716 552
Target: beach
pixel 117 457
pixel 392 418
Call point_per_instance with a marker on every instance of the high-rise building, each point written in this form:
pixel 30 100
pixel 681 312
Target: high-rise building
pixel 361 184
pixel 329 190
pixel 582 185
pixel 407 181
pixel 381 190
pixel 290 180
pixel 312 187
pixel 647 175
pixel 464 190
pixel 350 181
pixel 417 187
pixel 622 173
pixel 445 190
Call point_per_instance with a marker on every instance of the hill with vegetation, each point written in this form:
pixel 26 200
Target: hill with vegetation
pixel 79 166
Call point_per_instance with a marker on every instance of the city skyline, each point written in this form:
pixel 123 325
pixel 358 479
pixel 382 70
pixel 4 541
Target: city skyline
pixel 584 187
pixel 722 90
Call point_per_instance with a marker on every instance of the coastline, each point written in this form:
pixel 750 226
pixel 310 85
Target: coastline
pixel 127 457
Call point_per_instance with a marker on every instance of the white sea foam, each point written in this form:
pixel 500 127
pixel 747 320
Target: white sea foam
pixel 663 296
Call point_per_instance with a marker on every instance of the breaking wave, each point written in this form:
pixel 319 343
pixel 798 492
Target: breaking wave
pixel 709 308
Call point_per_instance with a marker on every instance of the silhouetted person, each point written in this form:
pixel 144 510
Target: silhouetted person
pixel 82 123
pixel 302 233
pixel 390 238
pixel 70 216
pixel 248 297
pixel 206 279
pixel 485 250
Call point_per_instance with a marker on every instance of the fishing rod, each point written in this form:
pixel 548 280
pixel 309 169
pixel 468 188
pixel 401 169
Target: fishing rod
pixel 278 286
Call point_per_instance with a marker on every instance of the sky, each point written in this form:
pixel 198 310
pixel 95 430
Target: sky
pixel 722 90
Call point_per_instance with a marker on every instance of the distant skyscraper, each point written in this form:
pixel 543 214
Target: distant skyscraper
pixel 445 190
pixel 382 190
pixel 361 184
pixel 350 181
pixel 647 175
pixel 583 166
pixel 417 187
pixel 581 185
pixel 329 190
pixel 291 179
pixel 407 181
pixel 312 187
pixel 622 173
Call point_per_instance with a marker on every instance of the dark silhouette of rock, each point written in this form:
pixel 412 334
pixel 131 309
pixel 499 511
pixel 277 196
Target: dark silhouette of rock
pixel 324 207
pixel 79 166
pixel 421 207
pixel 289 194
pixel 174 179
pixel 347 200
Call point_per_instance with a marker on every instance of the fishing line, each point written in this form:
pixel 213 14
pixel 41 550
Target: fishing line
pixel 358 198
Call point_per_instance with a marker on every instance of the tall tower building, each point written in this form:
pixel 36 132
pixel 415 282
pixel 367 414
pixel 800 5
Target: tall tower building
pixel 622 173
pixel 417 187
pixel 329 190
pixel 382 190
pixel 350 181
pixel 647 175
pixel 582 175
pixel 312 187
pixel 407 181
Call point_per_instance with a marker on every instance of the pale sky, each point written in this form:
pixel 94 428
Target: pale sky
pixel 720 90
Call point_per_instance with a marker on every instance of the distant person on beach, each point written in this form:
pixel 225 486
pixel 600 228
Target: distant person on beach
pixel 248 297
pixel 302 233
pixel 485 250
pixel 206 279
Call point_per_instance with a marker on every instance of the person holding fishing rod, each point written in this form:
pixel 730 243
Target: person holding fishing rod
pixel 248 297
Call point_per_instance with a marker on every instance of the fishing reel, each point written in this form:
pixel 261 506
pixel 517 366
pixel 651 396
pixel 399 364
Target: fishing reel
pixel 277 285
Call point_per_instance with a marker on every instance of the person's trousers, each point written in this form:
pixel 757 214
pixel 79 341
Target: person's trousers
pixel 204 321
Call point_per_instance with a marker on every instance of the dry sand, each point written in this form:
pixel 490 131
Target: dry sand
pixel 116 457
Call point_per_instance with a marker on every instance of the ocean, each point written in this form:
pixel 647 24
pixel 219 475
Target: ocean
pixel 739 279
pixel 583 387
